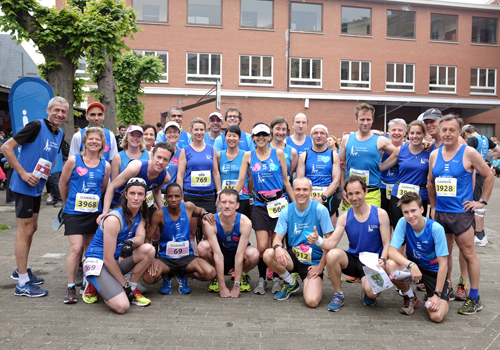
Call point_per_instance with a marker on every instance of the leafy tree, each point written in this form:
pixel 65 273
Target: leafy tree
pixel 129 72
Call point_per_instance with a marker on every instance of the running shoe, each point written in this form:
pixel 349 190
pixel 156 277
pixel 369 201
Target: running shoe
pixel 276 285
pixel 421 287
pixel 230 272
pixel 350 279
pixel 30 290
pixel 166 286
pixel 368 301
pixel 462 292
pixel 71 296
pixel 261 286
pixel 33 279
pixel 337 302
pixel 49 200
pixel 286 290
pixel 452 294
pixel 214 285
pixel 79 277
pixel 470 307
pixel 295 275
pixel 409 305
pixel 90 294
pixel 184 287
pixel 481 242
pixel 140 300
pixel 245 283
pixel 269 274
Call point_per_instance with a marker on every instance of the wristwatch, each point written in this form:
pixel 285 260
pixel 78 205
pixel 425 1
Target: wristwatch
pixel 482 201
pixel 277 246
pixel 439 294
pixel 324 198
pixel 237 284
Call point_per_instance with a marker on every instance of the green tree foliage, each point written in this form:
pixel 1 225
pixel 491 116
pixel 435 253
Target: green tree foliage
pixel 129 72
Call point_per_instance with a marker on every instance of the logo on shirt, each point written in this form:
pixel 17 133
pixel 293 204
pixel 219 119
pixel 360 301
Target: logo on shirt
pixel 389 172
pixel 47 147
pixel 424 160
pixel 314 170
pixel 224 170
pixel 209 156
pixel 84 188
pixel 81 171
pixel 261 180
pixel 296 230
pixel 353 152
pixel 256 167
pixel 371 228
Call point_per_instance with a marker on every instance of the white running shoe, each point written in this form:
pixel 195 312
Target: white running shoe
pixel 481 242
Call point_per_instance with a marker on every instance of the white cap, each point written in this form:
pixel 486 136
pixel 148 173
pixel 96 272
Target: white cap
pixel 261 128
pixel 169 124
pixel 134 128
pixel 217 114
pixel 319 126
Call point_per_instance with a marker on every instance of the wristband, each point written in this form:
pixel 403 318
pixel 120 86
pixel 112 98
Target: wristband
pixel 320 241
pixel 410 265
pixel 382 259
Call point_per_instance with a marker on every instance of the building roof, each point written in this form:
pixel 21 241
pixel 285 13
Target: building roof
pixel 464 4
pixel 15 62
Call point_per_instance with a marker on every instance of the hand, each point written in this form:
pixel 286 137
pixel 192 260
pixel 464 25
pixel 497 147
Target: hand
pixel 313 272
pixel 235 292
pixel 428 145
pixel 100 217
pixel 433 303
pixel 313 236
pixel 317 199
pixel 210 218
pixel 224 292
pixel 416 275
pixel 30 179
pixel 281 256
pixel 381 263
pixel 127 249
pixel 472 205
pixel 154 268
pixel 344 198
pixel 129 292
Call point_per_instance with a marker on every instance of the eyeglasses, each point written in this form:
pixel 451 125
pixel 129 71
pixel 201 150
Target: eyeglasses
pixel 232 117
pixel 98 114
pixel 137 179
pixel 215 120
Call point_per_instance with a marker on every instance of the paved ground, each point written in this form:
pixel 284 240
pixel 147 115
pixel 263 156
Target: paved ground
pixel 204 321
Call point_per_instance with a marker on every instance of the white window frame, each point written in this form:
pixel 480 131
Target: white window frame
pixel 83 72
pixel 137 9
pixel 443 85
pixel 300 79
pixel 199 75
pixel 387 83
pixel 164 78
pixel 485 87
pixel 257 77
pixel 369 82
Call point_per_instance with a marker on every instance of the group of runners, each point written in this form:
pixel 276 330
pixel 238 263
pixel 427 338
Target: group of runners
pixel 186 207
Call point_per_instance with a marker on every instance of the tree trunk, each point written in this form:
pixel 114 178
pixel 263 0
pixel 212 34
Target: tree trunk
pixel 106 84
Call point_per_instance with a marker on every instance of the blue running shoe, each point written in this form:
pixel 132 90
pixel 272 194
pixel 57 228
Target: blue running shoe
pixel 286 290
pixel 166 286
pixel 33 278
pixel 368 301
pixel 184 287
pixel 337 302
pixel 30 290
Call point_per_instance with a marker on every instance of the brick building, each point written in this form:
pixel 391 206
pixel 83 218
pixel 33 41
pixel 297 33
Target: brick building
pixel 322 57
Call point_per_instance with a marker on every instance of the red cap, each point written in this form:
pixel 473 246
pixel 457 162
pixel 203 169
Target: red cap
pixel 96 104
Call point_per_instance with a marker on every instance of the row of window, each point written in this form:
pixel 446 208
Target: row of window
pixel 309 18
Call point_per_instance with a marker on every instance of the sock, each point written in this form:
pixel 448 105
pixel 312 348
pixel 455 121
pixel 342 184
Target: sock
pixel 409 293
pixel 474 293
pixel 193 244
pixel 71 285
pixel 262 268
pixel 480 234
pixel 133 285
pixel 287 277
pixel 23 278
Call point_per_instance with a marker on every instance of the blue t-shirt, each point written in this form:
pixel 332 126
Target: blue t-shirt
pixel 424 247
pixel 390 175
pixel 172 167
pixel 124 160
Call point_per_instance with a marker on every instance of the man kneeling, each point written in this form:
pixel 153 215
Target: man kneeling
pixel 228 246
pixel 427 252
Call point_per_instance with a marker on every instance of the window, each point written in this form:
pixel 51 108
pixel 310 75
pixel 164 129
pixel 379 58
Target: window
pixel 355 75
pixel 356 20
pixel 482 81
pixel 306 17
pixel 444 27
pixel 208 12
pixel 443 79
pixel 305 72
pixel 151 10
pixel 256 70
pixel 399 76
pixel 203 67
pixel 401 24
pixel 257 13
pixel 81 71
pixel 162 55
pixel 484 30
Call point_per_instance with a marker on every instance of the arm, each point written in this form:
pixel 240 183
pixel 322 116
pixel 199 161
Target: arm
pixel 477 163
pixel 494 152
pixel 284 174
pixel 279 252
pixel 431 188
pixel 65 177
pixel 245 231
pixel 115 166
pixel 336 170
pixel 105 179
pixel 8 152
pixel 76 140
pixel 332 241
pixel 243 172
pixel 385 145
pixel 216 173
pixel 113 148
pixel 156 220
pixel 294 161
pixel 181 168
pixel 391 161
pixel 343 160
pixel 110 235
pixel 211 232
pixel 385 232
pixel 315 271
pixel 301 165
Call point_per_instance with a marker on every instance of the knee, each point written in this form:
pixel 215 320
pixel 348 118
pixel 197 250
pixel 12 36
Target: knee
pixel 253 257
pixel 203 249
pixel 268 255
pixel 312 302
pixel 436 317
pixel 121 307
pixel 147 278
pixel 210 273
pixel 262 248
pixel 332 256
pixel 76 249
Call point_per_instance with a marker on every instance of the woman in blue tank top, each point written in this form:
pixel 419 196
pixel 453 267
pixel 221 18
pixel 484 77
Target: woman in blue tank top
pixel 87 175
pixel 413 164
pixel 279 129
pixel 172 133
pixel 270 181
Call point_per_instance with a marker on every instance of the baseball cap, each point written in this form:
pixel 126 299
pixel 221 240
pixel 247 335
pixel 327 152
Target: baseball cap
pixel 432 114
pixel 217 114
pixel 319 126
pixel 261 128
pixel 172 124
pixel 95 104
pixel 134 128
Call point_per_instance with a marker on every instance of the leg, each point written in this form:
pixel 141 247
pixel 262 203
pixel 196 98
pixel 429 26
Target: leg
pixel 119 303
pixel 449 240
pixel 25 230
pixel 439 315
pixel 200 269
pixel 313 291
pixel 367 289
pixel 465 243
pixel 336 260
pixel 251 259
pixel 205 252
pixel 270 260
pixel 74 256
pixel 262 245
pixel 143 256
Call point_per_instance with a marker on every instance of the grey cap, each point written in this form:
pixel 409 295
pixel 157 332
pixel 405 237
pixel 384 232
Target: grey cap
pixel 432 114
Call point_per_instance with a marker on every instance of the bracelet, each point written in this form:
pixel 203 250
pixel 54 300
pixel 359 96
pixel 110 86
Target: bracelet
pixel 319 242
pixel 410 265
pixel 205 213
pixel 382 259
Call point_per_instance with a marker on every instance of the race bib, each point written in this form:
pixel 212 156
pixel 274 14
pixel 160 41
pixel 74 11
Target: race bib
pixel 318 191
pixel 388 191
pixel 365 174
pixel 230 184
pixel 150 199
pixel 92 267
pixel 446 186
pixel 274 208
pixel 42 169
pixel 201 178
pixel 303 253
pixel 86 203
pixel 405 188
pixel 177 250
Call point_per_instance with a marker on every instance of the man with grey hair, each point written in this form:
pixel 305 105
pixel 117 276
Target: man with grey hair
pixel 299 140
pixel 41 141
pixel 175 114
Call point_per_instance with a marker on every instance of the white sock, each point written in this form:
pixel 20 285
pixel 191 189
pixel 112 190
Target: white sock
pixel 193 245
pixel 287 277
pixel 23 278
pixel 409 293
pixel 133 285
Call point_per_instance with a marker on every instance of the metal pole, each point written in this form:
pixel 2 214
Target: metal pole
pixel 385 118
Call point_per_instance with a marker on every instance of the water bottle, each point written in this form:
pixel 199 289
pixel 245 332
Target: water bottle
pixel 344 165
pixel 402 276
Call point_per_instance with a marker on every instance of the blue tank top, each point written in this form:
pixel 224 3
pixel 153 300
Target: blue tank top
pixel 143 174
pixel 453 183
pixel 482 145
pixel 390 175
pixel 296 238
pixel 413 170
pixel 230 171
pixel 319 167
pixel 363 159
pixel 199 165
pixel 45 147
pixel 422 249
pixel 229 241
pixel 288 157
pixel 85 188
pixel 174 238
pixel 172 167
pixel 124 162
pixel 302 148
pixel 266 174
pixel 96 247
pixel 364 236
pixel 58 167
pixel 243 144
pixel 107 134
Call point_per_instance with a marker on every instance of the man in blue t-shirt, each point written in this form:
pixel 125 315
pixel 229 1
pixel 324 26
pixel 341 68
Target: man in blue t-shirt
pixel 426 258
pixel 297 221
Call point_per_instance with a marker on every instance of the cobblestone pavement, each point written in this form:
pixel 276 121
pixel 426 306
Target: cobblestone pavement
pixel 202 320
